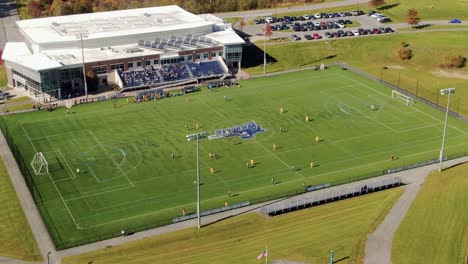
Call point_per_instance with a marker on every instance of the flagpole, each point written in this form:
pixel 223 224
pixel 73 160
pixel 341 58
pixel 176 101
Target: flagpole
pixel 264 50
pixel 266 259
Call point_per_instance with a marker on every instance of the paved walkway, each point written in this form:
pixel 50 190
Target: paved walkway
pixel 379 243
pixel 410 176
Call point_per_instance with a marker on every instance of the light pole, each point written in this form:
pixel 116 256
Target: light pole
pixel 381 72
pixel 197 137
pixel 48 259
pixel 447 91
pixel 264 50
pixel 198 183
pixel 82 36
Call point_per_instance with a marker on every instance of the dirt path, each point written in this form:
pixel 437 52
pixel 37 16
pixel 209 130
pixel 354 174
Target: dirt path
pixel 379 243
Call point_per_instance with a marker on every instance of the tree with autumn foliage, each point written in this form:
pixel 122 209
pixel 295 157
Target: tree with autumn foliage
pixel 376 3
pixel 412 17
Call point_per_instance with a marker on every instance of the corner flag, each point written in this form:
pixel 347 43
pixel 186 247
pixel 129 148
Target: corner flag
pixel 264 254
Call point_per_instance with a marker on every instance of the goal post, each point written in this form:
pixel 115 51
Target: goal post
pixel 39 164
pixel 408 100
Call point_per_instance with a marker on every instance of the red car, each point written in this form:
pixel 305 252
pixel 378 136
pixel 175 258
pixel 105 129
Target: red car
pixel 316 36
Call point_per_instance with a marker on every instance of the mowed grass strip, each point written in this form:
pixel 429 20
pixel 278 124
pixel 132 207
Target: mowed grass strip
pixel 370 54
pixel 16 239
pixel 307 236
pixel 435 227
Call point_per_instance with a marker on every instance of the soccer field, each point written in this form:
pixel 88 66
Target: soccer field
pixel 112 168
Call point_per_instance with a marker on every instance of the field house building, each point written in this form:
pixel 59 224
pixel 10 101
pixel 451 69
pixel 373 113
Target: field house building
pixel 135 49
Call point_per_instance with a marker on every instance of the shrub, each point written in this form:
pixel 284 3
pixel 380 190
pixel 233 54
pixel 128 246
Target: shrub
pixel 453 62
pixel 405 53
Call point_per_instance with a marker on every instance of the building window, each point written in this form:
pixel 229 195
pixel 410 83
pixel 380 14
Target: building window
pixel 198 56
pixel 139 64
pixel 100 69
pixel 220 53
pixel 119 66
pixel 130 64
pixel 189 57
pixel 155 62
pixel 182 58
pixel 147 63
pixel 205 55
pixel 213 54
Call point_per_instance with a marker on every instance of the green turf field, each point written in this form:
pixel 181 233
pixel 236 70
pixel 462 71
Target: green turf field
pixel 435 228
pixel 306 236
pixel 128 179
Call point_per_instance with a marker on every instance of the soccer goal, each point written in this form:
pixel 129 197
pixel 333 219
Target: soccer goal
pixel 39 164
pixel 401 97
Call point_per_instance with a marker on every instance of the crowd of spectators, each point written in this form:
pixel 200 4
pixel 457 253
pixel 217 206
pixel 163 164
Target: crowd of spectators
pixel 169 73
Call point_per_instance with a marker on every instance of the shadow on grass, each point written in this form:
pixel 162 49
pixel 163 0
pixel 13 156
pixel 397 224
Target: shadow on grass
pixel 341 259
pixel 387 7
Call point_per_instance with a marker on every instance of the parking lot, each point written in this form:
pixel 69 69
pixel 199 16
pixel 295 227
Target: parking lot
pixel 320 26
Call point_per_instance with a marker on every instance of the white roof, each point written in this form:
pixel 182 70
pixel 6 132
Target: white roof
pixel 18 52
pixel 110 24
pixel 227 37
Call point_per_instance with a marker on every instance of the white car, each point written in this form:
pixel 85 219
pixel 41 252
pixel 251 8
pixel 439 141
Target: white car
pixel 268 20
pixel 376 15
pixel 341 25
pixel 355 32
pixel 318 15
pixel 306 17
pixel 316 23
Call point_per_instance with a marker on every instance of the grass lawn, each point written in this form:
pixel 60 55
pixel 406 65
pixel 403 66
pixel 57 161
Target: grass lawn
pixel 370 54
pixel 3 77
pixel 127 178
pixel 433 27
pixel 17 240
pixel 306 236
pixel 435 228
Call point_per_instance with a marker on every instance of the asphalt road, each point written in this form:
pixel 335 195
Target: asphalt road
pixel 8 16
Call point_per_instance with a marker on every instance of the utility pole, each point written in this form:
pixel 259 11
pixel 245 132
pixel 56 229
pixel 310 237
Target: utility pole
pixel 447 91
pixel 82 36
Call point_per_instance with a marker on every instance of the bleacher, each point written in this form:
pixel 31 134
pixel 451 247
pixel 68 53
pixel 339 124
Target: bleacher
pixel 171 73
pixel 204 69
pixel 147 76
pixel 175 72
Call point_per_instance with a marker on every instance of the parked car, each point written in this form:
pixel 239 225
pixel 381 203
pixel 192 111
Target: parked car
pixel 376 31
pixel 328 35
pixel 383 19
pixel 308 37
pixel 357 12
pixel 316 36
pixel 318 15
pixel 455 21
pixel 355 32
pixel 295 37
pixel 306 17
pixel 376 15
pixel 389 30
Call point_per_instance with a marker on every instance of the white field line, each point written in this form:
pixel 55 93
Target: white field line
pixel 454 127
pixel 107 154
pixel 384 104
pixel 81 154
pixel 250 190
pixel 239 180
pixel 365 116
pixel 225 118
pixel 58 135
pixel 50 177
pixel 420 127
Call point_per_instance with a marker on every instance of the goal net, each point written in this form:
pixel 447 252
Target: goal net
pixel 39 164
pixel 403 98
